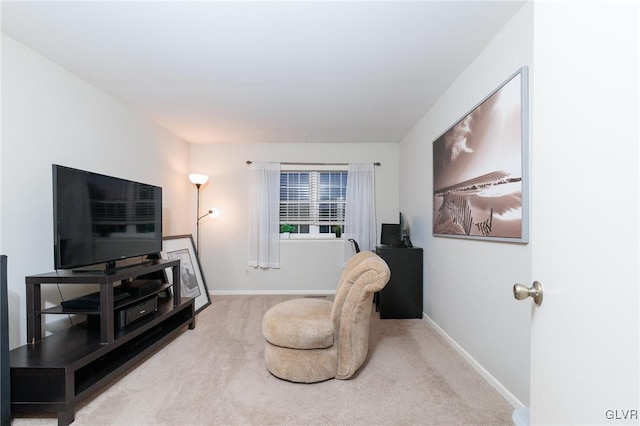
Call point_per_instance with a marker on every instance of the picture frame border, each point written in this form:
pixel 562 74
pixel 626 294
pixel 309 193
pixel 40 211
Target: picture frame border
pixel 181 242
pixel 524 160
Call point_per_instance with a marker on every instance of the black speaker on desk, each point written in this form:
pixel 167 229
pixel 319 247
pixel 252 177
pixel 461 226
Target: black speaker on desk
pixel 5 386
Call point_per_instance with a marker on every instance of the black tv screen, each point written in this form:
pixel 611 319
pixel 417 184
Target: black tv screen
pixel 101 219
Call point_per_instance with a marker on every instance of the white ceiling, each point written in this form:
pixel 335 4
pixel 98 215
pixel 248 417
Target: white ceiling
pixel 228 72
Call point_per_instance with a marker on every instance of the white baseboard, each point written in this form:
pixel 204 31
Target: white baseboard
pixel 272 292
pixel 511 399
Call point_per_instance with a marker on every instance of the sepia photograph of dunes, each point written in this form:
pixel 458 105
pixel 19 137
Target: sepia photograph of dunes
pixel 478 183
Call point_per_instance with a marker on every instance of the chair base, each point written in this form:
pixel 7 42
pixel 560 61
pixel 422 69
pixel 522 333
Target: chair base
pixel 301 366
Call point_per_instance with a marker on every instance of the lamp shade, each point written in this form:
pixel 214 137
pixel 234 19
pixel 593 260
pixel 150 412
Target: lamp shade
pixel 198 179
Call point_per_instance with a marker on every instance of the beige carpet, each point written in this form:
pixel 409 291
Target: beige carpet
pixel 215 375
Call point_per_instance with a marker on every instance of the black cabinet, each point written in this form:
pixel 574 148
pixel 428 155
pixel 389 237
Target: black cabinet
pixel 50 374
pixel 5 400
pixel 402 296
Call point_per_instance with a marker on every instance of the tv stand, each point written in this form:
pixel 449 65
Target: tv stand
pixel 50 374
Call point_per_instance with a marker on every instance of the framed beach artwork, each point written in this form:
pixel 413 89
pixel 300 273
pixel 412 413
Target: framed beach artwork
pixel 191 279
pixel 480 169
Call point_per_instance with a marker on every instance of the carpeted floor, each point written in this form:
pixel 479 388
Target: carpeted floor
pixel 215 375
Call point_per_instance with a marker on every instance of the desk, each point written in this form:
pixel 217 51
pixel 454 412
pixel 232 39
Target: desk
pixel 402 296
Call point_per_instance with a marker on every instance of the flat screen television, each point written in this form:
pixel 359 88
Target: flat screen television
pixel 100 219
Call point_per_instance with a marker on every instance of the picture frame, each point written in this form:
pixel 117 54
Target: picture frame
pixel 192 283
pixel 480 169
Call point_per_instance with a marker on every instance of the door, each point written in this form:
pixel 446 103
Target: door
pixel 585 335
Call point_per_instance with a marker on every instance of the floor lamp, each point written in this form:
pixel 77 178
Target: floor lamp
pixel 198 180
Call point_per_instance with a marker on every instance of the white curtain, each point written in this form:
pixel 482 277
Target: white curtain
pixel 360 213
pixel 264 215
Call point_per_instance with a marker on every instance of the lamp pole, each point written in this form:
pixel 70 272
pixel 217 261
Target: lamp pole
pixel 198 180
pixel 198 220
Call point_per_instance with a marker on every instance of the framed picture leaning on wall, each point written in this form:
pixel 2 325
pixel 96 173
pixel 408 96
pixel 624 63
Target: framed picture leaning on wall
pixel 192 282
pixel 480 168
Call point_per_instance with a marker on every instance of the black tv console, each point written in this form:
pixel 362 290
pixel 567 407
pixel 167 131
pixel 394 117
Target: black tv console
pixel 50 374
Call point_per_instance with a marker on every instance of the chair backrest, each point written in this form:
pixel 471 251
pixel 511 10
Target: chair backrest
pixel 364 274
pixel 344 284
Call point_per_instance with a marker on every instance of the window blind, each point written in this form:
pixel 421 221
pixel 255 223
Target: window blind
pixel 313 197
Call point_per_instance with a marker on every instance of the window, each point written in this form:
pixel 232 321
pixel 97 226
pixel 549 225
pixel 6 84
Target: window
pixel 313 201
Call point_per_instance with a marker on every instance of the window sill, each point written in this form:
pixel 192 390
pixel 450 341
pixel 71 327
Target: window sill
pixel 312 238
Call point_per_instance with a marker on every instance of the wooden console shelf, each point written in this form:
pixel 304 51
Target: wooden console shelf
pixel 51 374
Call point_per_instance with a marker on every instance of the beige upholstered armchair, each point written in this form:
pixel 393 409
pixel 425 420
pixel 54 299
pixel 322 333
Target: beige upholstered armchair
pixel 310 340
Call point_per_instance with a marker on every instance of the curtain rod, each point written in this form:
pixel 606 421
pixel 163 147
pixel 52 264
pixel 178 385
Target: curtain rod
pixel 316 164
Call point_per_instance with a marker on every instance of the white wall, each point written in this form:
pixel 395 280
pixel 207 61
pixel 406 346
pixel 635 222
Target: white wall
pixel 306 266
pixel 51 116
pixel 467 284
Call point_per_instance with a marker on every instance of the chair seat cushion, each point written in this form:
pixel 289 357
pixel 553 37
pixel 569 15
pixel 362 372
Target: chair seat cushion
pixel 303 323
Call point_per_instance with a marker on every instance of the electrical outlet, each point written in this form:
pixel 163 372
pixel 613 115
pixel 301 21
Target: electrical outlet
pixel 246 272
